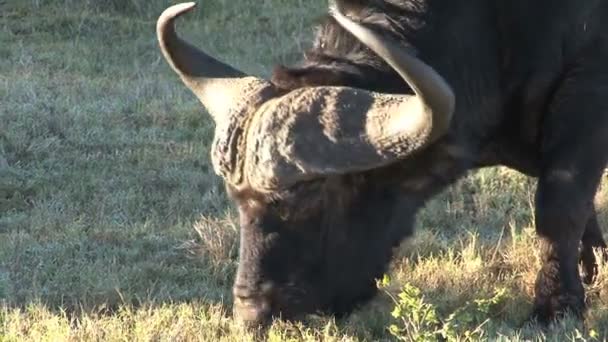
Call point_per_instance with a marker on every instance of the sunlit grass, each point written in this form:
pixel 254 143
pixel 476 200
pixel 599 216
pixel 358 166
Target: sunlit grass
pixel 113 225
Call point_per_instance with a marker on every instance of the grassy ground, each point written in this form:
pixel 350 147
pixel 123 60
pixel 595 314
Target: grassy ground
pixel 114 227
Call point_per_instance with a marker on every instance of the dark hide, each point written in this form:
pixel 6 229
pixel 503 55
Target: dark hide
pixel 530 79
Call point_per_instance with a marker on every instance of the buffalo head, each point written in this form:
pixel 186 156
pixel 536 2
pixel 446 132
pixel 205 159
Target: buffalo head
pixel 306 169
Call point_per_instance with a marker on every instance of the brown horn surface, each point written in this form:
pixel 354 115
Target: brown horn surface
pixel 320 131
pixel 314 132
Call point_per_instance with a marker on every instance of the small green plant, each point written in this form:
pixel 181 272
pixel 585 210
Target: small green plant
pixel 418 320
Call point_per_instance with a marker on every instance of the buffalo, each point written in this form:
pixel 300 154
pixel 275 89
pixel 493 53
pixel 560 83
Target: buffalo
pixel 329 160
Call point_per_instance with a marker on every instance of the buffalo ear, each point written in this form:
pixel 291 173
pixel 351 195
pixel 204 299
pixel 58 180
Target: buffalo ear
pixel 285 78
pixel 288 79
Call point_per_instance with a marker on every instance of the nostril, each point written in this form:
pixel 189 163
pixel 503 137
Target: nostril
pixel 248 292
pixel 249 299
pixel 252 311
pixel 252 305
pixel 242 292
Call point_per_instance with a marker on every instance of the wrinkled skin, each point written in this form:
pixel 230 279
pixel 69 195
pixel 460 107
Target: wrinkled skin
pixel 530 81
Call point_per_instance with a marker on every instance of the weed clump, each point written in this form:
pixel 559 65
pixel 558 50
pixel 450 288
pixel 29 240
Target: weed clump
pixel 418 320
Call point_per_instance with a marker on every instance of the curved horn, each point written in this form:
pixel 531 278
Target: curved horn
pixel 217 85
pixel 188 61
pixel 230 96
pixel 435 95
pixel 320 131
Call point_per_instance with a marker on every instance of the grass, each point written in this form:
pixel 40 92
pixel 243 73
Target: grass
pixel 113 225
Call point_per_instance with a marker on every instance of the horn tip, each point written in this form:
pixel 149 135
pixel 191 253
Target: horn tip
pixel 176 10
pixel 164 24
pixel 335 10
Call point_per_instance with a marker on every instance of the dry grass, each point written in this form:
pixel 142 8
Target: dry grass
pixel 114 227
